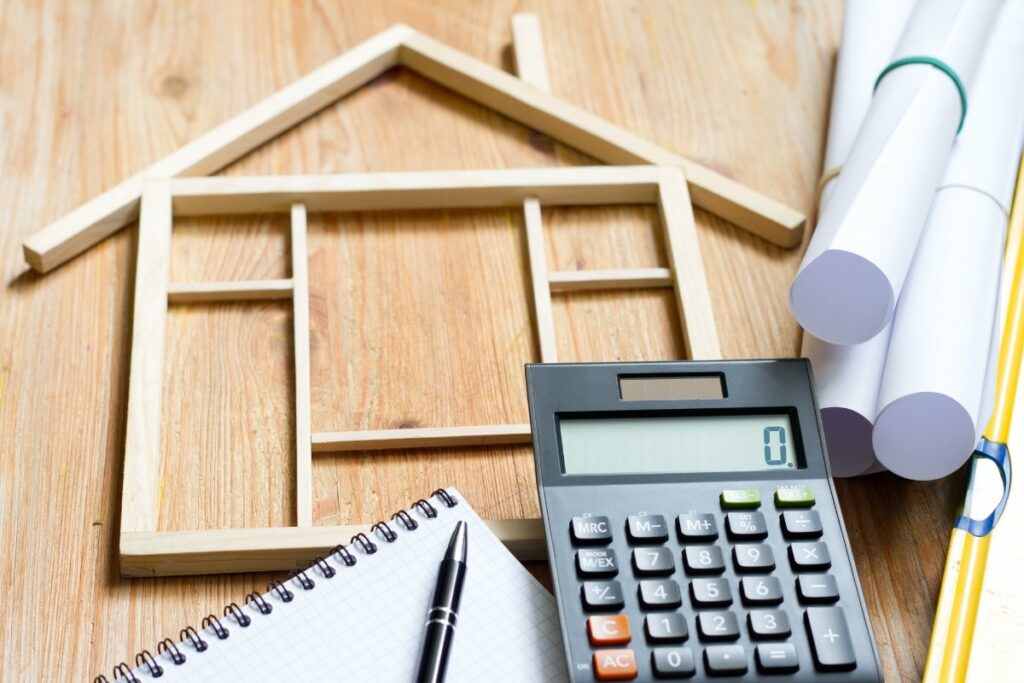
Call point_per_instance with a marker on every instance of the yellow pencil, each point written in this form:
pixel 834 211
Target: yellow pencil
pixel 953 630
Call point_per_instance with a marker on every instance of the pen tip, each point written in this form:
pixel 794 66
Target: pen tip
pixel 457 545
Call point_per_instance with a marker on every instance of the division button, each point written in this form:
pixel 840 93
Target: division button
pixel 666 628
pixel 590 530
pixel 725 660
pixel 654 561
pixel 746 525
pixel 768 623
pixel 794 497
pixel 809 556
pixel 601 595
pixel 673 662
pixel 736 499
pixel 830 639
pixel 615 665
pixel 801 524
pixel 597 562
pixel 647 529
pixel 608 630
pixel 777 658
pixel 817 588
pixel 697 527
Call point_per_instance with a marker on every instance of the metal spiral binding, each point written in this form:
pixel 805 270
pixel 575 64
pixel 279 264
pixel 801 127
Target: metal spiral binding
pixel 341 554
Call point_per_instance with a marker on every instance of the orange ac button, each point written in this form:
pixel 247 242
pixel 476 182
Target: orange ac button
pixel 615 665
pixel 610 630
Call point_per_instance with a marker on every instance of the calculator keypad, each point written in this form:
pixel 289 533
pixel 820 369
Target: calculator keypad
pixel 731 603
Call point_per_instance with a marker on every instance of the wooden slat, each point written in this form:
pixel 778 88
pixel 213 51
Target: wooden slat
pixel 426 437
pixel 140 486
pixel 623 278
pixel 303 415
pixel 536 249
pixel 239 290
pixel 528 51
pixel 692 296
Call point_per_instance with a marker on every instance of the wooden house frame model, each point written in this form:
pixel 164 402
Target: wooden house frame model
pixel 169 187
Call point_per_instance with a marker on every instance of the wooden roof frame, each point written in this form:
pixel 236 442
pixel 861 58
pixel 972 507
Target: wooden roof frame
pixel 532 106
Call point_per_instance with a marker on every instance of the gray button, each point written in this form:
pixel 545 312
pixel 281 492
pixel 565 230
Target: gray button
pixel 673 662
pixel 746 525
pixel 697 527
pixel 830 639
pixel 761 590
pixel 809 556
pixel 768 623
pixel 666 628
pixel 710 593
pixel 801 524
pixel 753 557
pixel 662 594
pixel 590 530
pixel 725 659
pixel 597 562
pixel 777 658
pixel 718 626
pixel 647 529
pixel 703 559
pixel 817 588
pixel 601 595
pixel 653 561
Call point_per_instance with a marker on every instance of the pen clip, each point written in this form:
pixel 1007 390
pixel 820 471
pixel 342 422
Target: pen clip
pixel 999 455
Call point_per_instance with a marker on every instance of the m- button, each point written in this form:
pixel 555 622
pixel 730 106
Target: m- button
pixel 590 530
pixel 615 665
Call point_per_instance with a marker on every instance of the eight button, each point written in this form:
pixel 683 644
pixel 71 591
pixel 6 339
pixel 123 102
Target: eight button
pixel 646 529
pixel 703 559
pixel 590 530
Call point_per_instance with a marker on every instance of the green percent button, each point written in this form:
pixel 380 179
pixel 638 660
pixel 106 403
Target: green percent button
pixel 741 498
pixel 794 497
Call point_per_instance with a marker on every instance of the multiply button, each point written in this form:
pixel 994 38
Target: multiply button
pixel 809 556
pixel 615 665
pixel 597 562
pixel 647 529
pixel 590 530
pixel 830 640
pixel 610 630
pixel 697 527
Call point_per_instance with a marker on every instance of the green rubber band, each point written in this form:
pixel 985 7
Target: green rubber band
pixel 941 66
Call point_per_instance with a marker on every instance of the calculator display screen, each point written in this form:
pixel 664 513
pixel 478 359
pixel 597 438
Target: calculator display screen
pixel 677 445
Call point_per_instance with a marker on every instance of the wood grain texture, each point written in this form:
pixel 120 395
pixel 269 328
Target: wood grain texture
pixel 90 92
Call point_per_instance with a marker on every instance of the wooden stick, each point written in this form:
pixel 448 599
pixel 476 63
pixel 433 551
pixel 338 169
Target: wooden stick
pixel 303 414
pixel 88 224
pixel 140 504
pixel 415 190
pixel 598 138
pixel 693 299
pixel 256 550
pixel 624 278
pixel 238 290
pixel 424 437
pixel 536 250
pixel 528 50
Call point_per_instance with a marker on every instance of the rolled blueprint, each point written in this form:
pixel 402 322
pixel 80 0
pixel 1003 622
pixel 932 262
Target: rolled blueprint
pixel 848 377
pixel 847 286
pixel 935 395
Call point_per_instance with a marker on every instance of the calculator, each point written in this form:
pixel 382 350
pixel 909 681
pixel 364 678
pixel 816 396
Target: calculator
pixel 692 526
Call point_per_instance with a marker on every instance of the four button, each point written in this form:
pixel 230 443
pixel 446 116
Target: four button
pixel 660 594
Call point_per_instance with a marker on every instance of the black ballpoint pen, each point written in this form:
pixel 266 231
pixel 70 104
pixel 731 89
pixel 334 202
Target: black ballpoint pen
pixel 444 610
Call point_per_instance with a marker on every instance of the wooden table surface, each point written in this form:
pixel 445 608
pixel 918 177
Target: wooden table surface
pixel 418 319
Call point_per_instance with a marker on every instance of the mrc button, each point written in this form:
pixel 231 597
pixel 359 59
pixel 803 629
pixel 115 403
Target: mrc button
pixel 590 530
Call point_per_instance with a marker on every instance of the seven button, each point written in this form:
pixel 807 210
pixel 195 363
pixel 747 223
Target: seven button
pixel 590 530
pixel 647 529
pixel 653 561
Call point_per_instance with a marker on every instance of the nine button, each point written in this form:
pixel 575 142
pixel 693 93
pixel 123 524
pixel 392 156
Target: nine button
pixel 753 558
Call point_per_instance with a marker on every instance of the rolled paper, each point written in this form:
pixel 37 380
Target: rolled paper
pixel 936 392
pixel 848 377
pixel 851 276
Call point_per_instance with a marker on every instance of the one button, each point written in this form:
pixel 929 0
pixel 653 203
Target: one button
pixel 718 626
pixel 710 593
pixel 817 588
pixel 610 630
pixel 746 525
pixel 703 559
pixel 761 590
pixel 768 623
pixel 809 556
pixel 590 530
pixel 598 562
pixel 801 524
pixel 777 658
pixel 615 665
pixel 653 561
pixel 647 529
pixel 697 527
pixel 662 594
pixel 666 628
pixel 830 640
pixel 673 662
pixel 725 660
pixel 740 499
pixel 794 497
pixel 602 595
pixel 753 558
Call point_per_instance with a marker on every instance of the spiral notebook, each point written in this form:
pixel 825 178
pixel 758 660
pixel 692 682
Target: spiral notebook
pixel 359 613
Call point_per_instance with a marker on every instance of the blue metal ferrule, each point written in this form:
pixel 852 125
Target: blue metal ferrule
pixel 999 454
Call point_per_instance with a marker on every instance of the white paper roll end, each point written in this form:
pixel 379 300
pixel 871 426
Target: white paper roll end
pixel 924 436
pixel 842 298
pixel 848 441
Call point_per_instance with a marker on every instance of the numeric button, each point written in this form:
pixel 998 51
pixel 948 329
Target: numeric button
pixel 590 530
pixel 602 595
pixel 746 525
pixel 703 559
pixel 801 524
pixel 666 628
pixel 653 561
pixel 597 562
pixel 646 529
pixel 777 658
pixel 809 556
pixel 718 626
pixel 725 660
pixel 768 623
pixel 753 558
pixel 697 527
pixel 817 588
pixel 660 594
pixel 710 593
pixel 673 662
pixel 765 590
pixel 830 639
